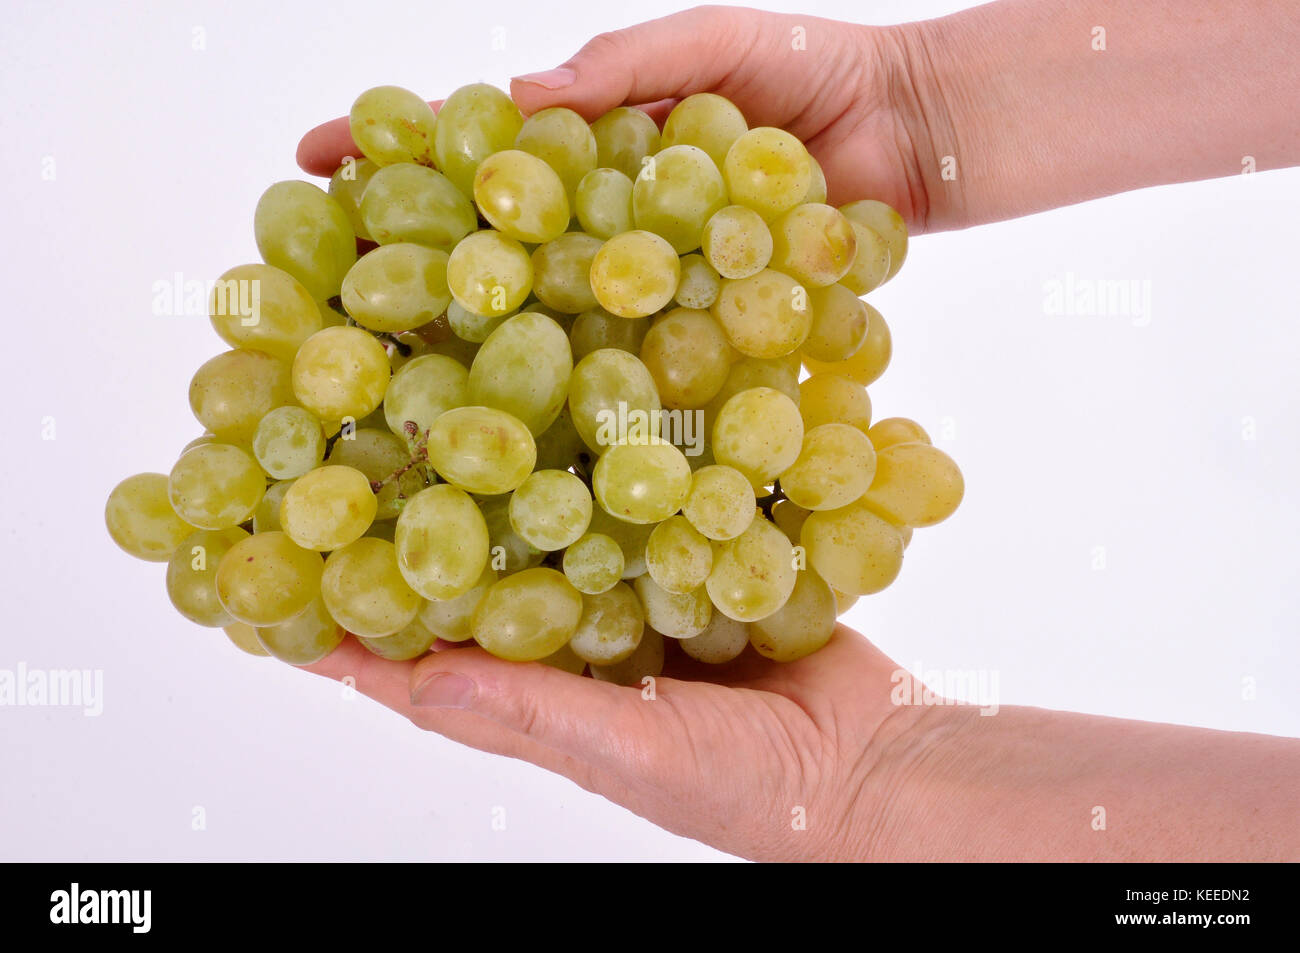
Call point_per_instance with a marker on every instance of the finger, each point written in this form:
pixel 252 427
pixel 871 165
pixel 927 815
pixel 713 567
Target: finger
pixel 323 149
pixel 659 111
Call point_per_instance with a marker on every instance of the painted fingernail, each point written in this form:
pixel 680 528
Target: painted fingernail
pixel 443 690
pixel 557 78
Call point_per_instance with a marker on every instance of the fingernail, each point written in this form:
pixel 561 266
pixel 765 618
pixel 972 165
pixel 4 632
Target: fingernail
pixel 557 78
pixel 443 690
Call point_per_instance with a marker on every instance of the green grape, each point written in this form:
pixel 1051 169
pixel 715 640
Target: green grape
pixel 839 325
pixel 678 556
pixel 561 272
pixel 489 273
pixel 892 430
pixel 390 124
pixel 510 552
pixel 767 170
pixel 382 529
pixel 698 285
pixel 758 432
pixel 397 287
pixel 340 372
pixel 383 458
pixel 551 509
pixel 593 564
pixel 301 230
pixel 328 508
pixel 646 662
pixel 410 643
pixel 472 327
pixel 268 579
pixel 813 244
pixel 624 137
pixel 441 542
pixel 721 502
pixel 566 660
pixel 752 372
pixel 886 223
pixel 721 641
pixel 521 196
pixel 364 590
pixel 635 274
pixel 305 639
pixel 832 399
pixel 234 390
pixel 603 203
pixel 411 203
pixel 289 442
pixel 455 348
pixel 449 619
pixel 347 186
pixel 266 518
pixel 707 121
pixel 559 446
pixel 141 519
pixel 789 518
pixel 630 537
pixel 688 356
pixel 844 603
pixel 678 615
pixel 527 616
pixel 610 627
pixel 801 626
pixel 199 441
pixel 244 637
pixel 474 122
pixel 481 450
pixel 870 265
pixel 915 485
pixel 597 328
pixel 834 468
pixel 192 575
pixel 423 390
pixel 869 361
pixel 642 483
pixel 676 192
pixel 523 368
pixel 853 549
pixel 604 383
pixel 753 574
pixel 330 316
pixel 564 140
pixel 737 242
pixel 817 185
pixel 215 486
pixel 264 308
pixel 766 315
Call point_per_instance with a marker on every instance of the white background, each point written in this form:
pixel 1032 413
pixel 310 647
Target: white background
pixel 1074 433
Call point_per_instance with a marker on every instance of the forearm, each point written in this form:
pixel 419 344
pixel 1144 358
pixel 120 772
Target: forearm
pixel 1035 114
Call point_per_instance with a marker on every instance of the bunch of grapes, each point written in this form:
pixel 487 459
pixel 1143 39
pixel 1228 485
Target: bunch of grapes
pixel 534 384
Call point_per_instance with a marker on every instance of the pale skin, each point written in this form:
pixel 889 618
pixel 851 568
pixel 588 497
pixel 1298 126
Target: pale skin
pixel 1035 117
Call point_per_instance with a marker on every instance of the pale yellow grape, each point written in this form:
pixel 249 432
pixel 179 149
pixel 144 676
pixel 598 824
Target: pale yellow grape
pixel 266 518
pixel 829 399
pixel 891 430
pixel 869 361
pixel 564 140
pixel 523 369
pixel 509 551
pixel 915 485
pixel 642 483
pixel 347 186
pixel 767 170
pixel 635 274
pixel 192 575
pixel 331 313
pixel 767 315
pixel 527 616
pixel 723 640
pixel 870 265
pixel 262 307
pixel 843 602
pixel 521 196
pixel 410 203
pixel 631 539
pixel 562 272
pixel 597 328
pixel 594 563
pixel 397 287
pixel 646 662
pixel 559 445
pixel 624 137
pixel 215 486
pixel 305 639
pixel 600 383
pixel 198 442
pixel 817 186
pixel 267 579
pixel 802 626
pixel 737 242
pixel 481 449
pixel 489 273
pixel 814 244
pixel 230 393
pixel 789 518
pixel 758 432
pixel 328 508
pixel 610 627
pixel 410 643
pixel 469 326
pixel 289 442
pixel 423 390
pixel 678 556
pixel 551 509
pixel 340 372
pixel 853 549
pixel 141 520
pixel 698 285
pixel 449 619
pixel 379 455
pixel 441 542
pixel 304 232
pixel 840 324
pixel 753 372
pixel 603 203
pixel 677 615
pixel 455 348
pixel 688 356
pixel 834 468
pixel 566 660
pixel 707 121
pixel 886 223
pixel 753 574
pixel 721 502
pixel 382 529
pixel 676 192
pixel 364 590
pixel 244 638
pixel 474 122
pixel 390 124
